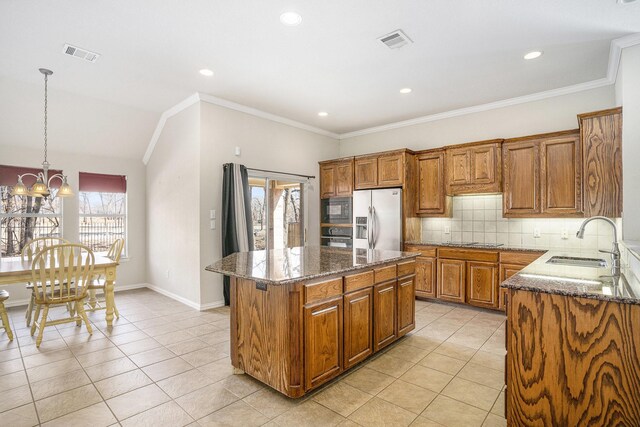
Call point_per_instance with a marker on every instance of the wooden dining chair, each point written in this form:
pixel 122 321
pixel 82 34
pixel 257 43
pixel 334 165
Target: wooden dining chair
pixel 27 254
pixel 60 274
pixel 99 282
pixel 4 295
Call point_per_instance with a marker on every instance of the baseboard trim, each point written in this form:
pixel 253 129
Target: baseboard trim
pixel 25 301
pixel 215 304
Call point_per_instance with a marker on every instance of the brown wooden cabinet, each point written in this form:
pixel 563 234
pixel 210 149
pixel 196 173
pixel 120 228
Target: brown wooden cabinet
pixel 426 277
pixel 366 172
pixel 506 271
pixel 601 136
pixel 543 176
pixel 379 170
pixel 358 326
pixel 431 198
pixel 390 170
pixel 474 168
pixel 482 284
pixel 336 178
pixel 323 344
pixel 451 280
pixel 384 314
pixel 406 305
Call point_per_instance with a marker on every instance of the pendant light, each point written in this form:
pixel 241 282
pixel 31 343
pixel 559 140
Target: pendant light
pixel 42 187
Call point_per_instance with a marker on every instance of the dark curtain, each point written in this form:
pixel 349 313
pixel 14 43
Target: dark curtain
pixel 236 212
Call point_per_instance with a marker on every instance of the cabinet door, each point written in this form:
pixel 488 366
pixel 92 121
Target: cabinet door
pixel 506 271
pixel 390 170
pixel 322 342
pixel 384 314
pixel 482 284
pixel 561 176
pixel 431 184
pixel 406 305
pixel 327 181
pixel 426 277
pixel 366 172
pixel 483 165
pixel 451 280
pixel 344 179
pixel 459 166
pixel 358 326
pixel 521 178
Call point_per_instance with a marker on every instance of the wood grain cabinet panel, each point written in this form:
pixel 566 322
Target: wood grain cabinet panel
pixel 426 277
pixel 483 165
pixel 406 305
pixel 327 181
pixel 365 173
pixel 561 176
pixel 384 314
pixel 475 168
pixel 358 326
pixel 482 286
pixel 521 179
pixel 459 167
pixel 344 179
pixel 572 361
pixel 431 199
pixel 506 271
pixel 601 135
pixel 451 280
pixel 390 170
pixel 323 333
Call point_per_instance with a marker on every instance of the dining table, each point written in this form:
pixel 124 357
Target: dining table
pixel 14 270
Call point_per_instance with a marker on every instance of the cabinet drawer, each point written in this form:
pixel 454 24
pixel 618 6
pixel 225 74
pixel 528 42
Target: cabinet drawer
pixel 406 268
pixel 468 254
pixel 358 281
pixel 426 251
pixel 319 291
pixel 385 273
pixel 521 258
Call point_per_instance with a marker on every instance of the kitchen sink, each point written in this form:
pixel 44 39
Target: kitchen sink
pixel 577 261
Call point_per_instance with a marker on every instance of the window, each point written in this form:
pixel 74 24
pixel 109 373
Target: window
pixel 103 210
pixel 23 218
pixel 277 211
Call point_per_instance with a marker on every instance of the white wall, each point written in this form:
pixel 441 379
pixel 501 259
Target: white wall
pixel 173 202
pixel 132 270
pixel 265 145
pixel 628 94
pixel 548 115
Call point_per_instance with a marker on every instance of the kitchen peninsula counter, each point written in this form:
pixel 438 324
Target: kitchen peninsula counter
pixel 302 316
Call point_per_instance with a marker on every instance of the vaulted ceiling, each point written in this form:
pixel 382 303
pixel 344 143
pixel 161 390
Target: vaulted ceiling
pixel 465 53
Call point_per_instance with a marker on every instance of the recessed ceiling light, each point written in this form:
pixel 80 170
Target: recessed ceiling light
pixel 626 1
pixel 206 72
pixel 291 19
pixel 323 114
pixel 405 90
pixel 533 55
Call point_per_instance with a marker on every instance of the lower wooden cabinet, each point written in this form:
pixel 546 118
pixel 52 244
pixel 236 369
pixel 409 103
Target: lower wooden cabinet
pixel 451 280
pixel 506 271
pixel 426 277
pixel 384 314
pixel 323 344
pixel 482 284
pixel 358 326
pixel 406 305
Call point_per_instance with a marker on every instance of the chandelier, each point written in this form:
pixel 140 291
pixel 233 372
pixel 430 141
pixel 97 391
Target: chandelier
pixel 42 187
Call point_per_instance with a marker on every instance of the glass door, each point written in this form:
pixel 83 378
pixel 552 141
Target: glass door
pixel 278 212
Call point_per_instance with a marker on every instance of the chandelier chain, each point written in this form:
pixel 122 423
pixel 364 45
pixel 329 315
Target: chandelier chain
pixel 46 78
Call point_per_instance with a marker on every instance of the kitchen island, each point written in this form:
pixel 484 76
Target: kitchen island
pixel 573 344
pixel 302 316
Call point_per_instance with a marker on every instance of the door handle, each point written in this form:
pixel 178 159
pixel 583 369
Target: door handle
pixel 369 226
pixel 373 228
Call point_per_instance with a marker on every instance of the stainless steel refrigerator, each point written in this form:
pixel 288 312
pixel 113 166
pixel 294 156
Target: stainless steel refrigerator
pixel 377 219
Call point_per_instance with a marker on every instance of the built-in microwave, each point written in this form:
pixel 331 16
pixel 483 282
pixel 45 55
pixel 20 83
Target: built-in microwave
pixel 337 210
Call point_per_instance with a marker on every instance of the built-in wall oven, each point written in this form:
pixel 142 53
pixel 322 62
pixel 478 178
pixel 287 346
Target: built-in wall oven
pixel 337 210
pixel 337 237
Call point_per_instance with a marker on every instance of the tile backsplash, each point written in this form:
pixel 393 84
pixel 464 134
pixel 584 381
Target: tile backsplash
pixel 479 219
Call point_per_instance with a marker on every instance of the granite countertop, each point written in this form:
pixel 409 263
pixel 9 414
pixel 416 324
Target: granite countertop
pixel 585 282
pixel 474 246
pixel 285 266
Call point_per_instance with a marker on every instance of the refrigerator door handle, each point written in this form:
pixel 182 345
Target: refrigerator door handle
pixel 373 228
pixel 369 225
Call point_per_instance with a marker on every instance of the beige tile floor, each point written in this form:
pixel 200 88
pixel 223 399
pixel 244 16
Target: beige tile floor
pixel 165 364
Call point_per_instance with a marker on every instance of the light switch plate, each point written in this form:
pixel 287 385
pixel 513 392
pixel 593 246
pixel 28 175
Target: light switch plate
pixel 564 234
pixel 447 229
pixel 536 232
pixel 212 214
pixel 213 224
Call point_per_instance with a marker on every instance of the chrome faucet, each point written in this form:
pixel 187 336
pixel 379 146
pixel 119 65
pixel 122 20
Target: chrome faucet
pixel 615 251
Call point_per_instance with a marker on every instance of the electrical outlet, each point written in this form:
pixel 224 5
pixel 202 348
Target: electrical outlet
pixel 212 214
pixel 168 273
pixel 447 229
pixel 213 224
pixel 536 232
pixel 564 234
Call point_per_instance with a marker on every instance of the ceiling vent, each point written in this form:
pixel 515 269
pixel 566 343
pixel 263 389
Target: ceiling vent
pixel 395 40
pixel 80 53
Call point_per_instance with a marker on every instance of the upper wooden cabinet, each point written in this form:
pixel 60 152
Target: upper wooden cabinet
pixel 474 168
pixel 336 178
pixel 380 170
pixel 543 175
pixel 601 135
pixel 431 197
